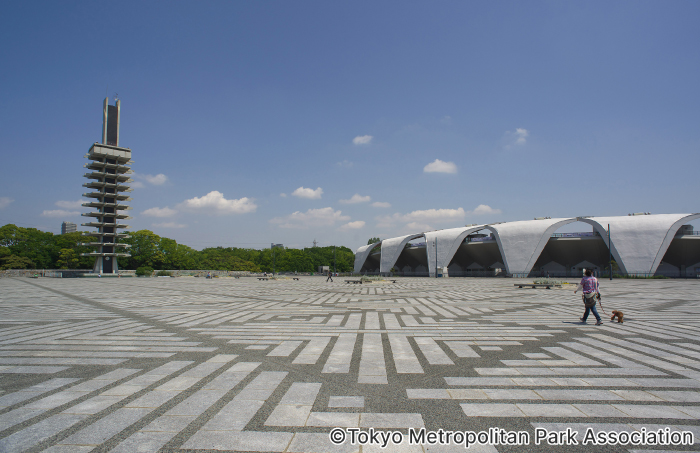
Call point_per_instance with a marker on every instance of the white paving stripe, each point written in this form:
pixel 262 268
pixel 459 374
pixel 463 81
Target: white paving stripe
pixel 160 431
pixel 580 410
pixel 340 357
pixel 372 365
pixel 10 399
pixel 225 429
pixel 285 349
pixel 432 351
pixel 311 353
pixel 405 359
pixel 122 418
pixel 295 406
pixel 26 412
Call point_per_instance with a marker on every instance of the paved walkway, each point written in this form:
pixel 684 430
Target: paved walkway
pixel 166 364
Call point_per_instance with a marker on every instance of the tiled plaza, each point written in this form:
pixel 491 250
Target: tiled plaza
pixel 190 364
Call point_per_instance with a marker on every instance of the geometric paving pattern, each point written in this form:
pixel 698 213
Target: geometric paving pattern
pixel 191 364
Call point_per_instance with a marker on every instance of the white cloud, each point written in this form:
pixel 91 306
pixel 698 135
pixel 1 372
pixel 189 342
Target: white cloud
pixel 156 180
pixel 420 219
pixel 362 139
pixel 522 136
pixel 517 138
pixel 323 217
pixel 353 225
pixel 215 202
pixel 70 204
pixel 160 212
pixel 344 164
pixel 439 166
pixel 5 202
pixel 303 192
pixel 283 195
pixel 169 225
pixel 432 215
pixel 59 213
pixel 381 204
pixel 357 198
pixel 447 119
pixel 417 226
pixel 483 209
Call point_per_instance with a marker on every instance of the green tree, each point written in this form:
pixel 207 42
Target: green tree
pixel 67 259
pixel 145 250
pixel 30 243
pixel 16 262
pixel 373 241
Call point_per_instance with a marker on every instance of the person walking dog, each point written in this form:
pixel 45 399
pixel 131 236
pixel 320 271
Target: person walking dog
pixel 589 284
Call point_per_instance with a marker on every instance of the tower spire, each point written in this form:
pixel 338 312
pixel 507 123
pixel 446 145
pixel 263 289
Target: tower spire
pixel 110 167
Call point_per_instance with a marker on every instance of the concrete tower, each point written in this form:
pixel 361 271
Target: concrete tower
pixel 110 169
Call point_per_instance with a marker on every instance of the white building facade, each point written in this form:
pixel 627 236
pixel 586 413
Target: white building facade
pixel 662 244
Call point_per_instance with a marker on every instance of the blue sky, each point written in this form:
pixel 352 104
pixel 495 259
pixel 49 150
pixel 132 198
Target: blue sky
pixel 260 122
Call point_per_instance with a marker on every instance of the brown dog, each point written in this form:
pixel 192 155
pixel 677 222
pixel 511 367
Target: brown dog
pixel 617 314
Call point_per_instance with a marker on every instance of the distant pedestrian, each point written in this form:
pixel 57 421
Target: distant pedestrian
pixel 330 277
pixel 589 284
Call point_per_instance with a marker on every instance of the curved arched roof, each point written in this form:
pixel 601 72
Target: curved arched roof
pixel 362 253
pixel 448 242
pixel 639 242
pixel 522 242
pixel 392 248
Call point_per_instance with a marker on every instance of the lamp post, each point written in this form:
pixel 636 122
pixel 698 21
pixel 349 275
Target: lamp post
pixel 609 252
pixel 436 263
pixel 273 261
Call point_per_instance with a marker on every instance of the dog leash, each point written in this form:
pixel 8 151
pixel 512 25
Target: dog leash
pixel 600 301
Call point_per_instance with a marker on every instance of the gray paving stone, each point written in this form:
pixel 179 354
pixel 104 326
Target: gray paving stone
pixel 346 401
pixel 333 419
pixel 239 441
pixel 491 410
pixel 269 366
pixel 318 443
pixel 386 420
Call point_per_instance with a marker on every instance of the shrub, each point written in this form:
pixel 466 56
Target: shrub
pixel 546 281
pixel 164 274
pixel 144 271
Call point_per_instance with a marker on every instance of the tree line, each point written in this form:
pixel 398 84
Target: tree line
pixel 29 248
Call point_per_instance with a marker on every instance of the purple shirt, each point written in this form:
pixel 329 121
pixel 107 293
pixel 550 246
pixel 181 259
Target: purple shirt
pixel 590 285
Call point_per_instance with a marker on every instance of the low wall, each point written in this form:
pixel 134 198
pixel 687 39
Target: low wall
pixel 203 273
pixel 55 273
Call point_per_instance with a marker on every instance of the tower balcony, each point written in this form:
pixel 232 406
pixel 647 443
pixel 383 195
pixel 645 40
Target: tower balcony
pixel 107 185
pixel 101 175
pixel 120 197
pixel 108 214
pixel 100 244
pixel 102 224
pixel 114 235
pixel 120 255
pixel 100 151
pixel 99 204
pixel 102 166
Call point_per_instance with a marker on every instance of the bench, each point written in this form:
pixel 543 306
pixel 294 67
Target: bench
pixel 537 285
pixel 354 281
